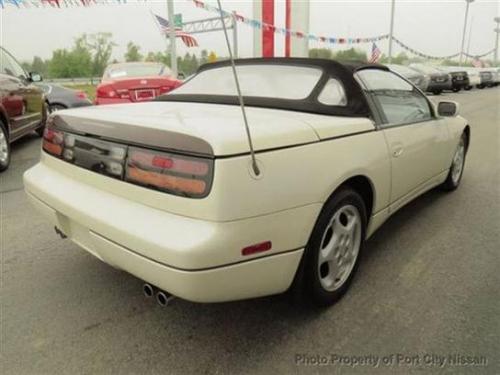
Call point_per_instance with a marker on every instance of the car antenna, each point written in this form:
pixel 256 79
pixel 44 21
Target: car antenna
pixel 255 167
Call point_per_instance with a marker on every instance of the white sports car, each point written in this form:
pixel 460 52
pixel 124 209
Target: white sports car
pixel 167 190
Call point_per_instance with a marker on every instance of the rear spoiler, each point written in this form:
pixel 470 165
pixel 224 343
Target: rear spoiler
pixel 129 134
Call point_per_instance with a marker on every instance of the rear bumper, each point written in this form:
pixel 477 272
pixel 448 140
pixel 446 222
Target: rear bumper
pixel 438 86
pixel 101 101
pixel 460 84
pixel 194 259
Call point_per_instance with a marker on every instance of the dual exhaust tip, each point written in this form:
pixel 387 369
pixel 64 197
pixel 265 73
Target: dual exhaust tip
pixel 163 298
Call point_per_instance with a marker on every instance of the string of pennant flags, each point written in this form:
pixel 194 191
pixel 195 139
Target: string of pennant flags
pixel 239 18
pixel 331 40
pixel 429 57
pixel 281 30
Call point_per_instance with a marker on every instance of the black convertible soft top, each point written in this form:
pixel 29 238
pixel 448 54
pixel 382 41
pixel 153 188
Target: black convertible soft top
pixel 357 105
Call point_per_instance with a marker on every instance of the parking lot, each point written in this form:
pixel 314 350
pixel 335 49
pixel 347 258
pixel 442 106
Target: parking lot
pixel 428 289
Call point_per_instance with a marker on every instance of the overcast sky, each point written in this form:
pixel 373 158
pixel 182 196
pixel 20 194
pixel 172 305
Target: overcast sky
pixel 433 27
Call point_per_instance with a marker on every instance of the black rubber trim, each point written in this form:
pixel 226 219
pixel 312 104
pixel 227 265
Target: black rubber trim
pixel 343 72
pixel 296 145
pixel 194 269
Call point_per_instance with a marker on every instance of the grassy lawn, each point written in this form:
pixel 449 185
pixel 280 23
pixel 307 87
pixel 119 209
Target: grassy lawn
pixel 88 89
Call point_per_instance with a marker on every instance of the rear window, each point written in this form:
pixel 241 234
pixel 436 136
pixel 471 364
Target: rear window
pixel 136 70
pixel 266 81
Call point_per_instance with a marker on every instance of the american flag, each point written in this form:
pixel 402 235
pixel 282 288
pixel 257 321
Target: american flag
pixel 375 53
pixel 188 39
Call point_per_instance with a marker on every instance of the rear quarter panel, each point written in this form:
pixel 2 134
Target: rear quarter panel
pixel 300 176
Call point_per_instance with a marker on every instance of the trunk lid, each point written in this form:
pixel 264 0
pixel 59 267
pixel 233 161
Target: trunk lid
pixel 140 89
pixel 195 128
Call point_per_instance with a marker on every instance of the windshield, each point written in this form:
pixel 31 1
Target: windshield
pixel 269 81
pixel 136 70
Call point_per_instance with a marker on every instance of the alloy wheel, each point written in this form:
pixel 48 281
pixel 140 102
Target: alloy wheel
pixel 4 148
pixel 339 247
pixel 458 162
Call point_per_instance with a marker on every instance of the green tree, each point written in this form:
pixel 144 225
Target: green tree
pixel 38 65
pixel 351 54
pixel 150 57
pixel 400 59
pixel 320 53
pixel 203 57
pixel 101 46
pixel 76 62
pixel 132 53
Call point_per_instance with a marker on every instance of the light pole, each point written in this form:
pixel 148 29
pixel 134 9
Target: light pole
pixel 497 31
pixel 171 35
pixel 391 31
pixel 465 28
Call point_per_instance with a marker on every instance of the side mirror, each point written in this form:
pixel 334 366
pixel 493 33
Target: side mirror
pixel 35 77
pixel 448 109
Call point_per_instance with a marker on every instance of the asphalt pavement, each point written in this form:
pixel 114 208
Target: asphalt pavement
pixel 426 298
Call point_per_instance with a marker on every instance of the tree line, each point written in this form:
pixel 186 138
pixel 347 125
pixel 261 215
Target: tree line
pixel 91 53
pixel 353 54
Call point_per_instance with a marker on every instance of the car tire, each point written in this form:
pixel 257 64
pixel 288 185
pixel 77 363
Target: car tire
pixel 456 89
pixel 437 92
pixel 333 251
pixel 45 114
pixel 468 88
pixel 56 107
pixel 4 148
pixel 457 165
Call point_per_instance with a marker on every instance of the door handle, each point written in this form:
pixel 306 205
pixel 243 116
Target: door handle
pixel 397 151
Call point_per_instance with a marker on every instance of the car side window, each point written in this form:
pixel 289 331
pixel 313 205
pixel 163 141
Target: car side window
pixel 333 93
pixel 400 102
pixel 10 66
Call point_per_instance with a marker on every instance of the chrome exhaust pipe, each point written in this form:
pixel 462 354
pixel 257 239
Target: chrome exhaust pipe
pixel 148 290
pixel 164 298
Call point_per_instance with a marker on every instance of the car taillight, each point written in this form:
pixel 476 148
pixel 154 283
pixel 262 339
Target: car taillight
pixel 106 92
pixel 181 175
pixel 53 141
pixel 165 89
pixel 187 176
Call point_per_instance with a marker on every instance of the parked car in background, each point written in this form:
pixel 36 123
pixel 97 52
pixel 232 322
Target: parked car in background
pixel 60 97
pixel 439 81
pixel 488 77
pixel 474 78
pixel 417 78
pixel 22 105
pixel 496 75
pixel 134 82
pixel 170 192
pixel 459 77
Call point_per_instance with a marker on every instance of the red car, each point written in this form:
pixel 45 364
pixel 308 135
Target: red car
pixel 134 82
pixel 23 107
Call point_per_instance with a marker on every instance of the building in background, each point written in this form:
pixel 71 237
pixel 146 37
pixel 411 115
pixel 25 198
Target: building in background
pixel 296 19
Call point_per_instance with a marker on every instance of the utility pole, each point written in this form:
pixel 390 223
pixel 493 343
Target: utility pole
pixel 470 38
pixel 465 29
pixel 391 31
pixel 171 34
pixel 497 31
pixel 234 23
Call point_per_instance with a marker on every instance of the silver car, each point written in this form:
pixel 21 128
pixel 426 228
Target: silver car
pixel 419 79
